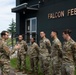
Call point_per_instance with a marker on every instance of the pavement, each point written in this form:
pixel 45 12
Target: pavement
pixel 12 72
pixel 19 73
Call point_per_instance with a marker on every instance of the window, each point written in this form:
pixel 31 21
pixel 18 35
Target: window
pixel 31 29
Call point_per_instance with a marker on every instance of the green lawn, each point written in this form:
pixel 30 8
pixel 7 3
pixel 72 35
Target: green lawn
pixel 14 65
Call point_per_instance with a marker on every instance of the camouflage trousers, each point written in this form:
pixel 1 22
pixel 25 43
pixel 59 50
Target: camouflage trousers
pixel 5 67
pixel 67 69
pixel 45 65
pixel 21 62
pixel 55 66
pixel 34 64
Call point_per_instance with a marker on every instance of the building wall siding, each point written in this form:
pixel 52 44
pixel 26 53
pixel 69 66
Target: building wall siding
pixel 45 24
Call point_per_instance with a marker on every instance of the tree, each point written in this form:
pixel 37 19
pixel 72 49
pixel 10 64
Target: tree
pixel 12 30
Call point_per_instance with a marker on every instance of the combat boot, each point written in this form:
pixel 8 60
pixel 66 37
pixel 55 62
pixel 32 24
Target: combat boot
pixel 18 70
pixel 31 72
pixel 35 73
pixel 24 72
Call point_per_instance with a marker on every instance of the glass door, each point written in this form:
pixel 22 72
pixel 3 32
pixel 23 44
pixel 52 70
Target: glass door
pixel 31 29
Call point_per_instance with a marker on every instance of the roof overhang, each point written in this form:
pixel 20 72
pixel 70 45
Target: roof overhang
pixel 22 7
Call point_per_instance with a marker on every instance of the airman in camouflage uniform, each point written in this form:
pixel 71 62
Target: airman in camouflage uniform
pixel 45 49
pixel 33 53
pixel 68 54
pixel 56 54
pixel 4 54
pixel 21 54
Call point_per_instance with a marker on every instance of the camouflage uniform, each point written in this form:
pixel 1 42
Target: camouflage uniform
pixel 45 49
pixel 21 55
pixel 56 57
pixel 4 58
pixel 34 52
pixel 69 57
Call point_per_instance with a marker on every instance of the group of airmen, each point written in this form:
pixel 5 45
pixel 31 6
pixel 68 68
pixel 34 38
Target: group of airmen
pixel 54 58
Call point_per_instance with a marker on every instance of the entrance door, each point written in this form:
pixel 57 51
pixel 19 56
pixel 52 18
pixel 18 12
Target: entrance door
pixel 31 29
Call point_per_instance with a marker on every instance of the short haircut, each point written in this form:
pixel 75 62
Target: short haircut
pixel 55 31
pixel 42 32
pixel 20 35
pixel 67 31
pixel 4 33
pixel 33 38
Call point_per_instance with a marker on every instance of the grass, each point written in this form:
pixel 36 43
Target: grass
pixel 27 63
pixel 13 64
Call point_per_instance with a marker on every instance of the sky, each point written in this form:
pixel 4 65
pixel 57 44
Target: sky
pixel 6 15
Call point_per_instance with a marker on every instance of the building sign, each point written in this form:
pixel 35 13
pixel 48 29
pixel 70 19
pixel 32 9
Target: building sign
pixel 63 13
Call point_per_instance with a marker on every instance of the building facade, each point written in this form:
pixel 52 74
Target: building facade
pixel 33 16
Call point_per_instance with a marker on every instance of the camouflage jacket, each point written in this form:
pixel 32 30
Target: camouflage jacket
pixel 23 47
pixel 69 51
pixel 45 47
pixel 34 50
pixel 4 49
pixel 56 48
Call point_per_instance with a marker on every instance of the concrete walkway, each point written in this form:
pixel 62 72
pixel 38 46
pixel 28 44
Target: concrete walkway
pixel 13 73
